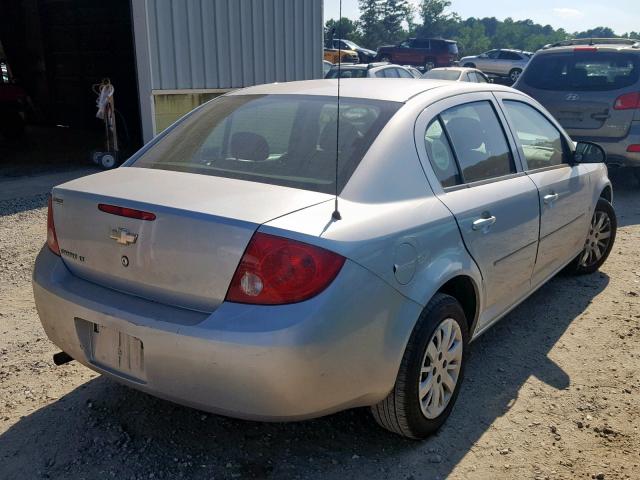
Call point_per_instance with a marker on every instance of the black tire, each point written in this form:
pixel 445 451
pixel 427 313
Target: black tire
pixel 469 65
pixel 514 74
pixel 578 266
pixel 428 65
pixel 636 172
pixel 385 58
pixel 401 412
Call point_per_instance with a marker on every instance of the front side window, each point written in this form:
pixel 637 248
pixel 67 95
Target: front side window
pixel 504 55
pixel 493 54
pixel 403 73
pixel 540 139
pixel 287 140
pixel 478 141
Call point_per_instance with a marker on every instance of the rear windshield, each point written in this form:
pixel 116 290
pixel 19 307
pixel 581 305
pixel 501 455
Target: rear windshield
pixel 442 74
pixel 287 140
pixel 346 72
pixel 583 71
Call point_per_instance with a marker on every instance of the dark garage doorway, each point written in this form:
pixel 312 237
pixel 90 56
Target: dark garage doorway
pixel 56 50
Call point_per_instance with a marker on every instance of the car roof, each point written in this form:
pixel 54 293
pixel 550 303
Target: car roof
pixel 603 44
pixel 389 89
pixel 456 69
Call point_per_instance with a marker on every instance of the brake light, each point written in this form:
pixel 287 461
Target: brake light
pixel 52 238
pixel 276 271
pixel 635 148
pixel 126 212
pixel 628 101
pixel 585 49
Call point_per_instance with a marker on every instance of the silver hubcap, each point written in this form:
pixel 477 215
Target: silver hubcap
pixel 440 368
pixel 515 75
pixel 597 240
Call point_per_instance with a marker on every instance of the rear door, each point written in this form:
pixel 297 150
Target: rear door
pixel 471 165
pixel 585 89
pixel 565 190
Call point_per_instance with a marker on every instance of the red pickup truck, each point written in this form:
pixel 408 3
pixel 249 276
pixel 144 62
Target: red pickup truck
pixel 423 52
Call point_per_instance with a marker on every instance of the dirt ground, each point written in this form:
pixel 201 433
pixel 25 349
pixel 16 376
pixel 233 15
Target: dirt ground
pixel 552 392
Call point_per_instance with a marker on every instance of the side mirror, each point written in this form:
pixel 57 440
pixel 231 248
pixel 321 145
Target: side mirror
pixel 589 152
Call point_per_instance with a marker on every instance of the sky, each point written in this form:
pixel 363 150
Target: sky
pixel 621 15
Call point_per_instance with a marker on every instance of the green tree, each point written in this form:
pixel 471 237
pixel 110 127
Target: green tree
pixel 345 28
pixel 370 17
pixel 393 14
pixel 434 18
pixel 598 32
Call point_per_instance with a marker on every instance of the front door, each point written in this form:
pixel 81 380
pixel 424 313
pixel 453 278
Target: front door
pixel 480 181
pixel 565 191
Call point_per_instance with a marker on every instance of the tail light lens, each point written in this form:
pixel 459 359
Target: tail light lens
pixel 276 271
pixel 635 148
pixel 126 212
pixel 628 101
pixel 52 238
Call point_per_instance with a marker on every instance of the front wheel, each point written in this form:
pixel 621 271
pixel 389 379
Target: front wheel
pixel 429 65
pixel 599 242
pixel 430 373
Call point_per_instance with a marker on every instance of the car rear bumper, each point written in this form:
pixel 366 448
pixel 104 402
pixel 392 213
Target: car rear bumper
pixel 339 350
pixel 616 148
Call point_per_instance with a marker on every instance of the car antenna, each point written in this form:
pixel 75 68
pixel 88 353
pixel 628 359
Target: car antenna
pixel 336 213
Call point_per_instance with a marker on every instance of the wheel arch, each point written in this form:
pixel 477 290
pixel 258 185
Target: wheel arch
pixel 465 290
pixel 607 193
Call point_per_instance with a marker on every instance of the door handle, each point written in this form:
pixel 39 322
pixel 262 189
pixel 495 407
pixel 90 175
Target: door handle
pixel 600 116
pixel 548 199
pixel 484 223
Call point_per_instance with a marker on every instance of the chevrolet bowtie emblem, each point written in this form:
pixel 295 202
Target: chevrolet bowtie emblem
pixel 123 237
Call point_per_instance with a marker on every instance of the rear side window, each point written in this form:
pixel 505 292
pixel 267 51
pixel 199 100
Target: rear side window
pixel 403 73
pixel 478 141
pixel 540 139
pixel 440 155
pixel 583 71
pixel 287 140
pixel 504 55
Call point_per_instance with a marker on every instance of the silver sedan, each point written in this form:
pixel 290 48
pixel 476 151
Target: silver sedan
pixel 218 268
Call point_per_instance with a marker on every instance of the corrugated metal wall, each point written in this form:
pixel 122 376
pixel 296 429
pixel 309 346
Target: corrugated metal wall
pixel 199 44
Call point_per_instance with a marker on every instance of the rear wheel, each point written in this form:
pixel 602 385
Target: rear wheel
pixel 429 64
pixel 469 65
pixel 514 74
pixel 385 58
pixel 430 374
pixel 599 242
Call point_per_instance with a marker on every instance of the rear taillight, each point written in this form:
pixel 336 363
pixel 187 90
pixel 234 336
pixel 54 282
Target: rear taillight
pixel 635 148
pixel 628 101
pixel 126 212
pixel 52 238
pixel 276 270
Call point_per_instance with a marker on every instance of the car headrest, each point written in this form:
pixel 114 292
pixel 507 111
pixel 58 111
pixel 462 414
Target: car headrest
pixel 466 133
pixel 249 146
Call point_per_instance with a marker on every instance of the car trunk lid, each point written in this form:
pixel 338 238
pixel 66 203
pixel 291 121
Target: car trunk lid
pixel 187 254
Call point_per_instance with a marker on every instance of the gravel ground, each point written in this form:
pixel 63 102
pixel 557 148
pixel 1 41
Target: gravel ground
pixel 552 392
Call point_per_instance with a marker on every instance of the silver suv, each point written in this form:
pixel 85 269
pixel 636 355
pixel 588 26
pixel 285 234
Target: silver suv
pixel 501 62
pixel 592 87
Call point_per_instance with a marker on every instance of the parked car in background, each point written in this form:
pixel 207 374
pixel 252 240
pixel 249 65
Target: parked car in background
pixel 333 55
pixel 501 62
pixel 592 87
pixel 364 54
pixel 426 53
pixel 414 71
pixel 13 104
pixel 457 74
pixel 326 66
pixel 370 70
pixel 212 270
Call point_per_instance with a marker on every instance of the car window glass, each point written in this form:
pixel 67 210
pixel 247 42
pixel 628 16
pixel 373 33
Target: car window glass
pixel 493 54
pixel 509 56
pixel 403 73
pixel 583 71
pixel 380 74
pixel 471 77
pixel 440 155
pixel 478 141
pixel 540 139
pixel 480 78
pixel 419 43
pixel 286 140
pixel 390 73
